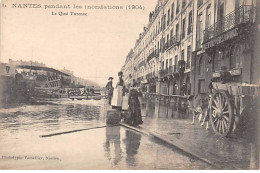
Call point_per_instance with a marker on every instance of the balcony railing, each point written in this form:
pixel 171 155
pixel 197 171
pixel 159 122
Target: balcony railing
pixel 162 72
pixel 168 71
pixel 149 75
pixel 140 78
pixel 173 41
pixel 243 14
pixel 141 64
pixel 150 56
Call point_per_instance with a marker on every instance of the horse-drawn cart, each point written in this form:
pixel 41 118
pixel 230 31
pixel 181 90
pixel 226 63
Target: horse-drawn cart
pixel 227 103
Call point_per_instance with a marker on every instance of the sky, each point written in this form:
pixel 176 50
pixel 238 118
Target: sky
pixel 93 46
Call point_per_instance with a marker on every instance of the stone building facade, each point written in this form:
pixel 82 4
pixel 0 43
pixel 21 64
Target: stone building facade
pixel 187 43
pixel 225 35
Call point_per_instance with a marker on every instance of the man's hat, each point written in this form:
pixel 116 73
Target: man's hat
pixel 120 73
pixel 110 78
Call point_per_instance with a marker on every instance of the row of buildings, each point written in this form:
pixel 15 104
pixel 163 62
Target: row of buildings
pixel 189 43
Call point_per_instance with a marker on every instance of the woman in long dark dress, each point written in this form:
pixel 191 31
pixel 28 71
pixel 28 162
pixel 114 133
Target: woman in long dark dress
pixel 135 107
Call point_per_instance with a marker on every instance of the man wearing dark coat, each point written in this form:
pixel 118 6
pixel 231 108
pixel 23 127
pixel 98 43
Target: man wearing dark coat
pixel 110 89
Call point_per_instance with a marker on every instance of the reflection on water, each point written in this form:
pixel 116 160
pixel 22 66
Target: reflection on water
pixel 112 145
pixel 162 109
pixel 132 142
pixel 113 149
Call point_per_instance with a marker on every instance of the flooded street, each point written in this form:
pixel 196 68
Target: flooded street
pixel 99 148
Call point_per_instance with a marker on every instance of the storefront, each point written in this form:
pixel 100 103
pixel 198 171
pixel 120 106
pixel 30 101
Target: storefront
pixel 224 58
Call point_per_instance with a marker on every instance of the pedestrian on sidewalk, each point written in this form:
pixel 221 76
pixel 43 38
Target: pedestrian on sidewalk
pixel 118 93
pixel 134 106
pixel 110 89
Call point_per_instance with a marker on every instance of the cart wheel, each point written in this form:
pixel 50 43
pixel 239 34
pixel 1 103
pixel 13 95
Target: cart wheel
pixel 221 114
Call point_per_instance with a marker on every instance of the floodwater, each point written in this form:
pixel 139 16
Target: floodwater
pixel 23 147
pixel 162 109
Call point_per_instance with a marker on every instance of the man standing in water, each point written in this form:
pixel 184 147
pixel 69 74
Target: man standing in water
pixel 110 89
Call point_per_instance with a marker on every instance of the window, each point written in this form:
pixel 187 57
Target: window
pixel 161 44
pixel 183 27
pixel 162 65
pixel 164 21
pixel 217 60
pixel 208 18
pixel 235 57
pixel 159 26
pixel 175 63
pixel 201 66
pixel 171 34
pixel 182 55
pixel 200 2
pixel 188 57
pixel 177 30
pixel 172 15
pixel 190 23
pixel 166 63
pixel 201 86
pixel 169 17
pixel 170 63
pixel 183 3
pixel 158 47
pixel 199 32
pixel 177 7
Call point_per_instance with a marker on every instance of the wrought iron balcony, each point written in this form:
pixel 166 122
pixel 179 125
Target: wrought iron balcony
pixel 243 14
pixel 173 41
pixel 150 56
pixel 141 64
pixel 166 72
pixel 149 75
pixel 162 72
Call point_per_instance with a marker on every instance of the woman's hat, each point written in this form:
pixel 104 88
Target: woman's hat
pixel 120 73
pixel 110 78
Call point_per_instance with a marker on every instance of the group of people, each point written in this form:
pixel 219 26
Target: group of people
pixel 125 100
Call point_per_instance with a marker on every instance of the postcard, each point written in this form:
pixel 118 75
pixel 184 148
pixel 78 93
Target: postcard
pixel 129 85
